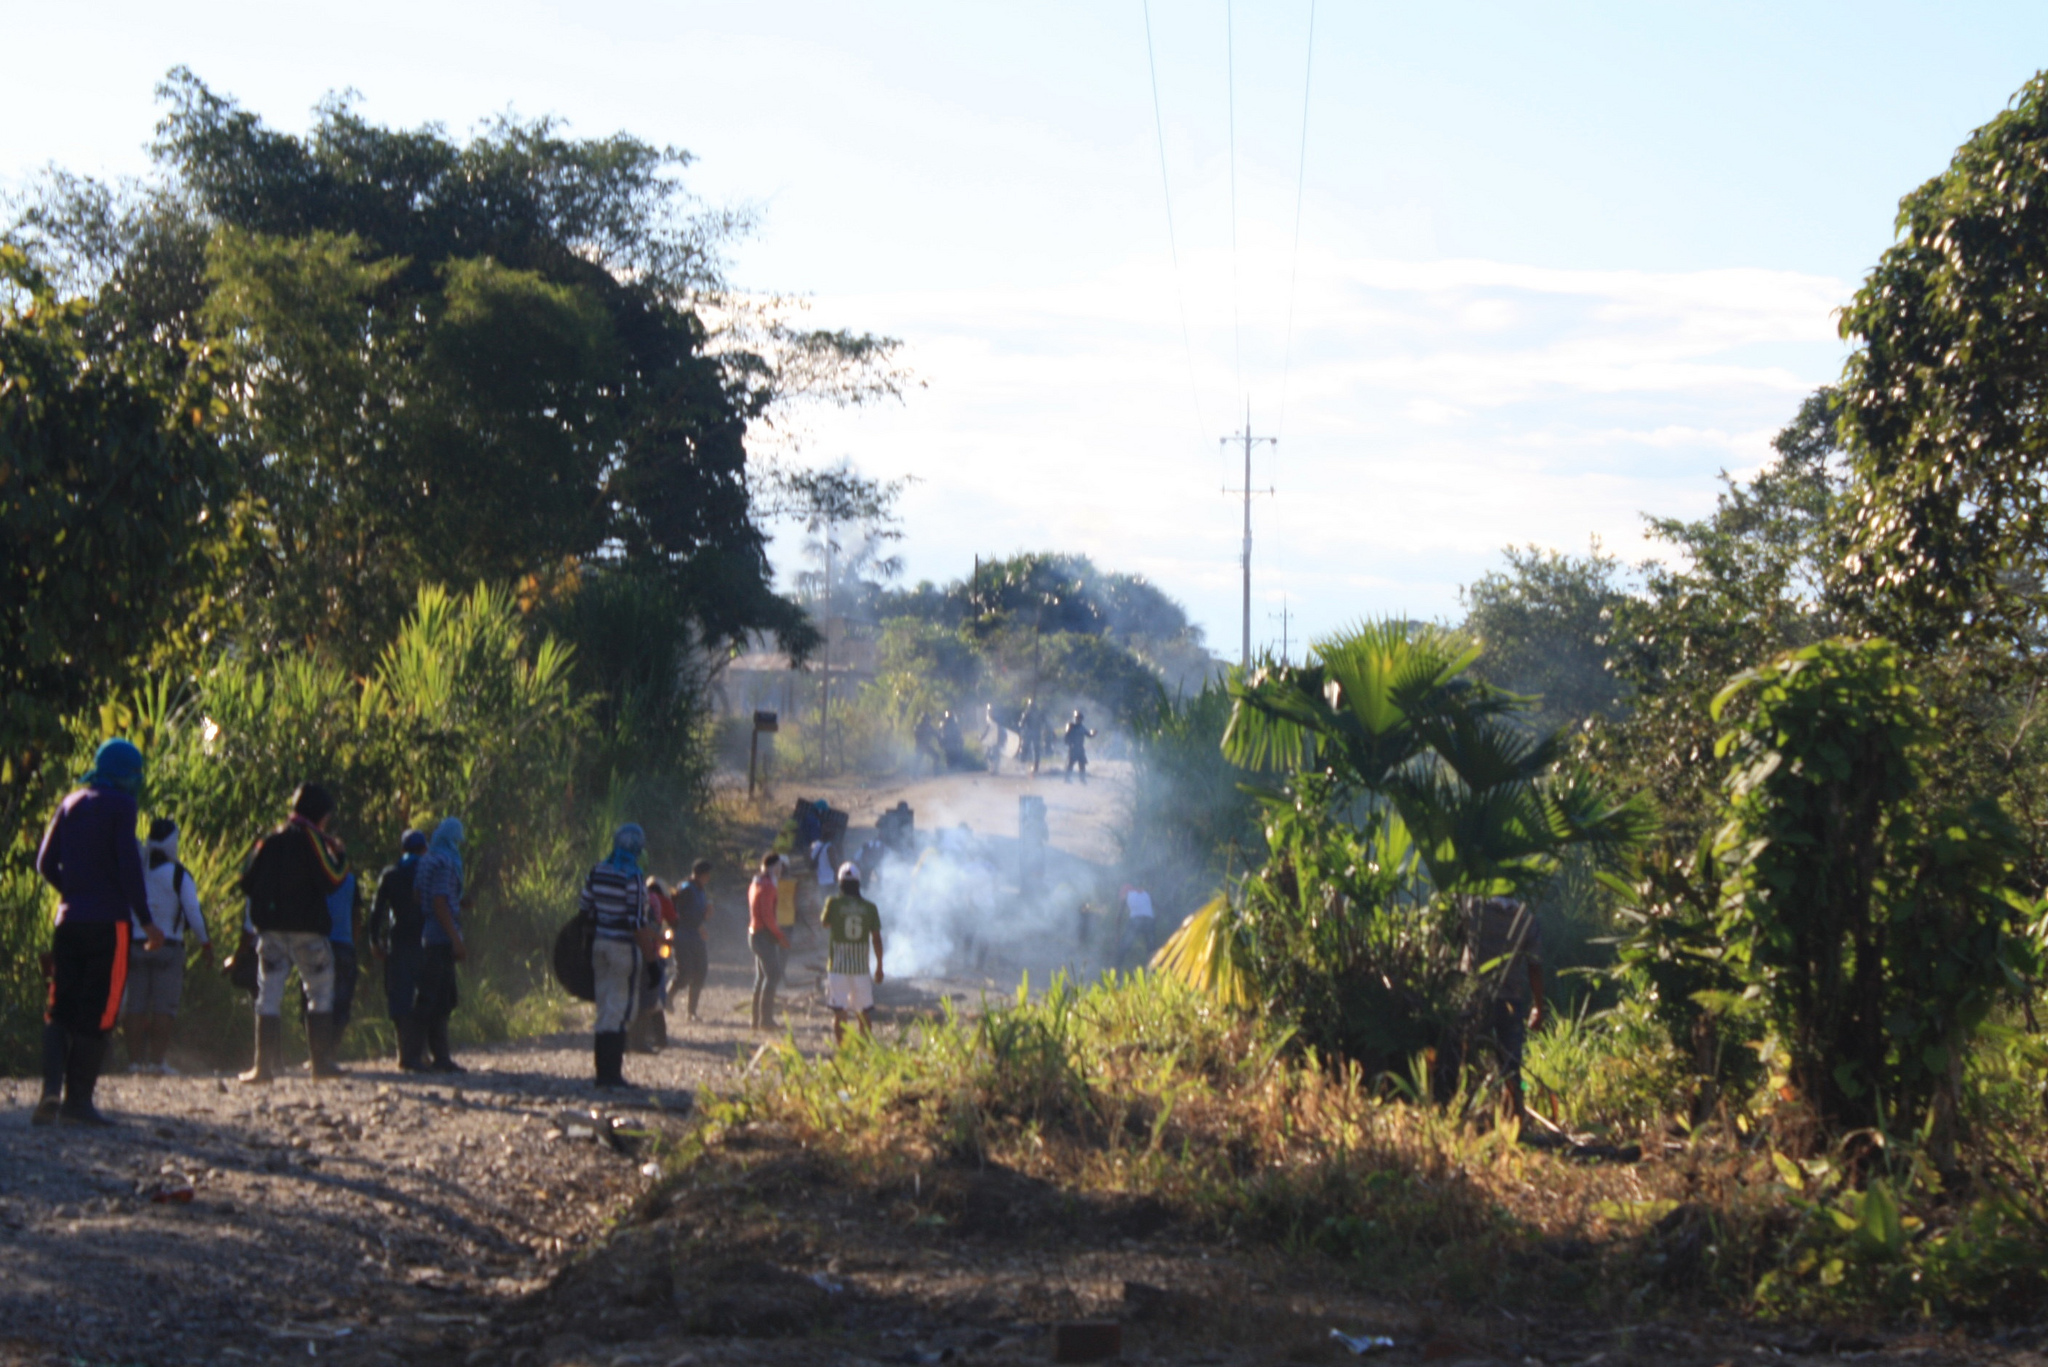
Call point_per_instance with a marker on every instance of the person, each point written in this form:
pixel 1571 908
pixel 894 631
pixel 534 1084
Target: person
pixel 786 881
pixel 952 744
pixel 1078 736
pixel 437 887
pixel 852 926
pixel 1139 922
pixel 90 856
pixel 765 937
pixel 827 880
pixel 1029 726
pixel 395 941
pixel 156 981
pixel 693 934
pixel 990 722
pixel 927 738
pixel 647 1033
pixel 615 901
pixel 871 856
pixel 288 881
pixel 1504 950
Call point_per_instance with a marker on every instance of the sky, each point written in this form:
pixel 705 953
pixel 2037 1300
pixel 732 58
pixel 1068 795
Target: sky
pixel 1492 273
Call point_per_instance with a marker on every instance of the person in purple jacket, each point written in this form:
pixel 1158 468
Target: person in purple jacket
pixel 91 857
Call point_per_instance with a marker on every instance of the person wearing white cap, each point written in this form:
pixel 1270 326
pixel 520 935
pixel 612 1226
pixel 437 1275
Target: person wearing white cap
pixel 853 925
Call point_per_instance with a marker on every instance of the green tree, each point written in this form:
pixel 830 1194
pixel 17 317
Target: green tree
pixel 1544 622
pixel 492 357
pixel 1941 396
pixel 1749 584
pixel 108 466
pixel 1877 933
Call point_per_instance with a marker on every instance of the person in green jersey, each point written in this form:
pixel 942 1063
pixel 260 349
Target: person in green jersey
pixel 852 927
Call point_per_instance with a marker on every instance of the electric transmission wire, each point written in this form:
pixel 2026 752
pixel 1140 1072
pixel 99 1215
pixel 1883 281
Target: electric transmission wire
pixel 1300 179
pixel 1230 79
pixel 1172 243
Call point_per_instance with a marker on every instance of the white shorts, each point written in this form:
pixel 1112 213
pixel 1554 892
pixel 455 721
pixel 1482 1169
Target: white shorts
pixel 850 991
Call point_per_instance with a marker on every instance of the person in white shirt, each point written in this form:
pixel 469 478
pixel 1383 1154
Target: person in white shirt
pixel 156 978
pixel 1137 928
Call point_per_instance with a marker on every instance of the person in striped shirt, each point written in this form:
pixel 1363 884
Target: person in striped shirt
pixel 615 900
pixel 853 925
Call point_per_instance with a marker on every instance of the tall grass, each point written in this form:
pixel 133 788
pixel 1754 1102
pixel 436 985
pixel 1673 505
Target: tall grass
pixel 1140 1088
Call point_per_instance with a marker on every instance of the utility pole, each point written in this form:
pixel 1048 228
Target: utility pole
pixel 1282 615
pixel 1249 441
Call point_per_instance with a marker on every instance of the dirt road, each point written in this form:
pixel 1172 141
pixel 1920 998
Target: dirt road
pixel 380 1218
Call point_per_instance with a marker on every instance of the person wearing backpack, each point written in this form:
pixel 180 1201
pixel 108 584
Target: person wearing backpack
pixel 289 879
pixel 90 856
pixel 437 887
pixel 156 979
pixel 395 926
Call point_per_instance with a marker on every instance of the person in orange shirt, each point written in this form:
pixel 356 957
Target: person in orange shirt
pixel 765 938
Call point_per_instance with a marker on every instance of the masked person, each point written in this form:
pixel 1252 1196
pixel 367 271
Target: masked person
pixel 853 925
pixel 293 872
pixel 615 900
pixel 89 855
pixel 156 980
pixel 395 940
pixel 437 886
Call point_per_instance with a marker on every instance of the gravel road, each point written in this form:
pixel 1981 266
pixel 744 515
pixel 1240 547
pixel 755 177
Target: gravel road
pixel 382 1217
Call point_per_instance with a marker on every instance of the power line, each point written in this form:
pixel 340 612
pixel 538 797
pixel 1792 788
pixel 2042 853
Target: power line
pixel 1172 244
pixel 1230 78
pixel 1300 179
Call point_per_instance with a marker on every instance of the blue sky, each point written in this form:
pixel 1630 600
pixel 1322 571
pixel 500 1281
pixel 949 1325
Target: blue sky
pixel 1559 265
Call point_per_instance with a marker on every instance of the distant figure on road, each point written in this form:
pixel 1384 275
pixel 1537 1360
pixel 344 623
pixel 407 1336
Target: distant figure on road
pixel 1030 735
pixel 952 744
pixel 90 857
pixel 623 940
pixel 295 870
pixel 927 737
pixel 993 748
pixel 1135 929
pixel 395 938
pixel 853 925
pixel 438 886
pixel 693 936
pixel 1078 736
pixel 156 980
pixel 765 937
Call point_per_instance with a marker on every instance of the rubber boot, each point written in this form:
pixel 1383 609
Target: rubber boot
pixel 611 1059
pixel 81 1075
pixel 412 1043
pixel 437 1041
pixel 56 1057
pixel 269 1050
pixel 320 1044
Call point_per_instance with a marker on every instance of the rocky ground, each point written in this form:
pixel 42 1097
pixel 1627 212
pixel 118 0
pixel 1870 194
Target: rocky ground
pixel 384 1217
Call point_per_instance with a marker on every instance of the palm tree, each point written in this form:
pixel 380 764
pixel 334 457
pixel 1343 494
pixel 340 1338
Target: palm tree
pixel 1431 782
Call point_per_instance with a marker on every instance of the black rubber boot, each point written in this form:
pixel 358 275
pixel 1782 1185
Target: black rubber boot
pixel 56 1057
pixel 269 1050
pixel 611 1059
pixel 412 1044
pixel 81 1075
pixel 437 1041
pixel 320 1042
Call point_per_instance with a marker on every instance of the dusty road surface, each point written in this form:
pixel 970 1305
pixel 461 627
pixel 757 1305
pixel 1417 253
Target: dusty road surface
pixel 384 1217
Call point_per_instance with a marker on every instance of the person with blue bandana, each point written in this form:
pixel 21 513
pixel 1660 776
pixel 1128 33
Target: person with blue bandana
pixel 437 885
pixel 91 857
pixel 614 900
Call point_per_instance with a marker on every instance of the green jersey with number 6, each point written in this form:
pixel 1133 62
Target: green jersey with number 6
pixel 849 922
